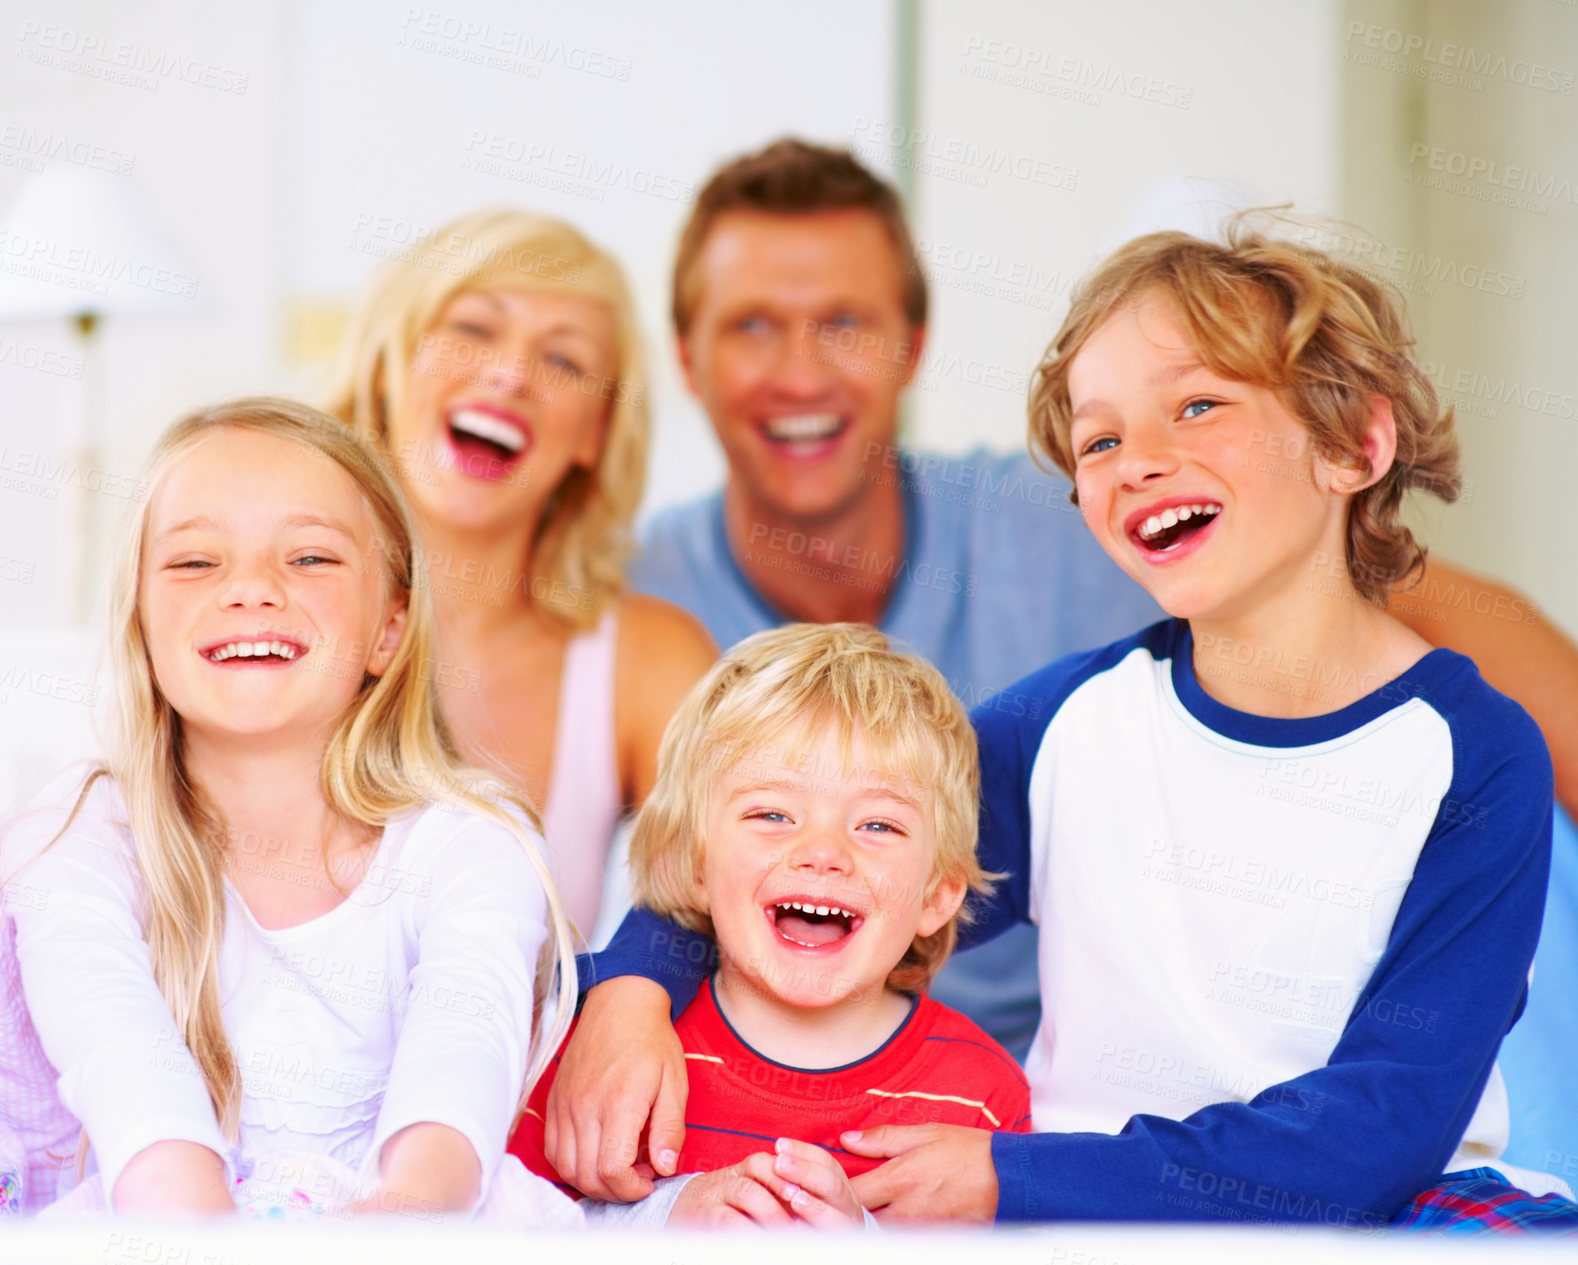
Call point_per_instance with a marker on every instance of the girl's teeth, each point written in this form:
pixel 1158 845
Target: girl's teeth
pixel 253 650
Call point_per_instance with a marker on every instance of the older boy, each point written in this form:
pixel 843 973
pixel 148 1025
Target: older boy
pixel 815 812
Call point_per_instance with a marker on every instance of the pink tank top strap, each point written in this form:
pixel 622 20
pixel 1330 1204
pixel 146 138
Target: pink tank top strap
pixel 584 799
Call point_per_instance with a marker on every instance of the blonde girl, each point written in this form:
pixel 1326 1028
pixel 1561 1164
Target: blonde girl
pixel 498 365
pixel 288 946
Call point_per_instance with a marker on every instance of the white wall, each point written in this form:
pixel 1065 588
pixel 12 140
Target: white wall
pixel 1418 118
pixel 355 114
pixel 1113 98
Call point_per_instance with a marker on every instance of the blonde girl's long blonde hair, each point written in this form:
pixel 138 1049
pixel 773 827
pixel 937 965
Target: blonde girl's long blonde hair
pixel 391 753
pixel 583 539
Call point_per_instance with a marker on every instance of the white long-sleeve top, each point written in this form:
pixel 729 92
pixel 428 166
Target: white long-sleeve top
pixel 409 1002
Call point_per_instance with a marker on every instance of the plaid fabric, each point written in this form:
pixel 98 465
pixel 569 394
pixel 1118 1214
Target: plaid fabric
pixel 1479 1201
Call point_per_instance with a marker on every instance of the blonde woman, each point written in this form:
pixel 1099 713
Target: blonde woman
pixel 284 948
pixel 498 366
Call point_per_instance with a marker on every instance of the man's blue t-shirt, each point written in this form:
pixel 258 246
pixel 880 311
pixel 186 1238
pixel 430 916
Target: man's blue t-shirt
pixel 999 577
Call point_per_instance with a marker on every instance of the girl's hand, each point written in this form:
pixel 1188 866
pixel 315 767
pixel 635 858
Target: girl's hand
pixel 818 1190
pixel 173 1179
pixel 744 1194
pixel 425 1170
pixel 623 1064
pixel 935 1172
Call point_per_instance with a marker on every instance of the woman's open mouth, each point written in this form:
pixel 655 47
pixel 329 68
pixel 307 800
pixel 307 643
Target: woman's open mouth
pixel 487 444
pixel 813 926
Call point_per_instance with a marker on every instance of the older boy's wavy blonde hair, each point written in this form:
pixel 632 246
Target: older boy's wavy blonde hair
pixel 1322 334
pixel 391 753
pixel 781 687
pixel 583 539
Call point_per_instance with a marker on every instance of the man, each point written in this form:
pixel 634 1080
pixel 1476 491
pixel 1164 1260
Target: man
pixel 800 311
pixel 801 315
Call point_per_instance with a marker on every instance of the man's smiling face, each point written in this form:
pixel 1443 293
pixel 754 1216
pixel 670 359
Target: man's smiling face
pixel 799 349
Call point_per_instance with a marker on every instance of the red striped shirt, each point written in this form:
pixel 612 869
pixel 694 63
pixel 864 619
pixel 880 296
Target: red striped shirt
pixel 938 1067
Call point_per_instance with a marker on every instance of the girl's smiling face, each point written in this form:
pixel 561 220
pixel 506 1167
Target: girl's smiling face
pixel 263 597
pixel 1204 489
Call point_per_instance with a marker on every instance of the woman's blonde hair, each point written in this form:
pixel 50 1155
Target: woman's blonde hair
pixel 784 686
pixel 1323 335
pixel 391 753
pixel 584 537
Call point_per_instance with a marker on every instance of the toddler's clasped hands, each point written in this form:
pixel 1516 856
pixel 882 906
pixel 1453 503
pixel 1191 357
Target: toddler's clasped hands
pixel 799 1182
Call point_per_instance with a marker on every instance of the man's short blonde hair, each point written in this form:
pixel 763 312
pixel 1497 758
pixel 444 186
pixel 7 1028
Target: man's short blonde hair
pixel 784 686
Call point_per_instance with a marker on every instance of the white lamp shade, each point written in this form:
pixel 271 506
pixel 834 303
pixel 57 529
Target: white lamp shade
pixel 77 241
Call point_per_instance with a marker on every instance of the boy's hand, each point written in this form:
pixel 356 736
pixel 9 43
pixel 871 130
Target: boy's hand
pixel 818 1190
pixel 935 1172
pixel 743 1194
pixel 623 1064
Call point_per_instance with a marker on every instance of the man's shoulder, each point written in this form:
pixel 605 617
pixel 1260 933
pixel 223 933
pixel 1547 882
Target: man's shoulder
pixel 1009 523
pixel 682 522
pixel 985 484
pixel 679 550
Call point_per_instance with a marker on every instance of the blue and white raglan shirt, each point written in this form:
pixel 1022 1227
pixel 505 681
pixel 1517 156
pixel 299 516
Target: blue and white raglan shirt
pixel 1277 956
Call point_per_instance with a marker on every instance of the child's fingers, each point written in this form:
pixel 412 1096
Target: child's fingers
pixel 819 1177
pixel 750 1190
pixel 821 1215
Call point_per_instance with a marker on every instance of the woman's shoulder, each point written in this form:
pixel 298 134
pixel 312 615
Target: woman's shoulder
pixel 662 651
pixel 650 626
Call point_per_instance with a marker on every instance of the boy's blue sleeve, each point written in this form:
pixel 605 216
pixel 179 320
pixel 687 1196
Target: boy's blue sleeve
pixel 1351 1142
pixel 1007 747
pixel 651 946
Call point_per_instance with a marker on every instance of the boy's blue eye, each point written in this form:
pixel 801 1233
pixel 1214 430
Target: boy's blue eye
pixel 1099 445
pixel 881 827
pixel 769 814
pixel 1189 409
pixel 313 559
pixel 844 320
